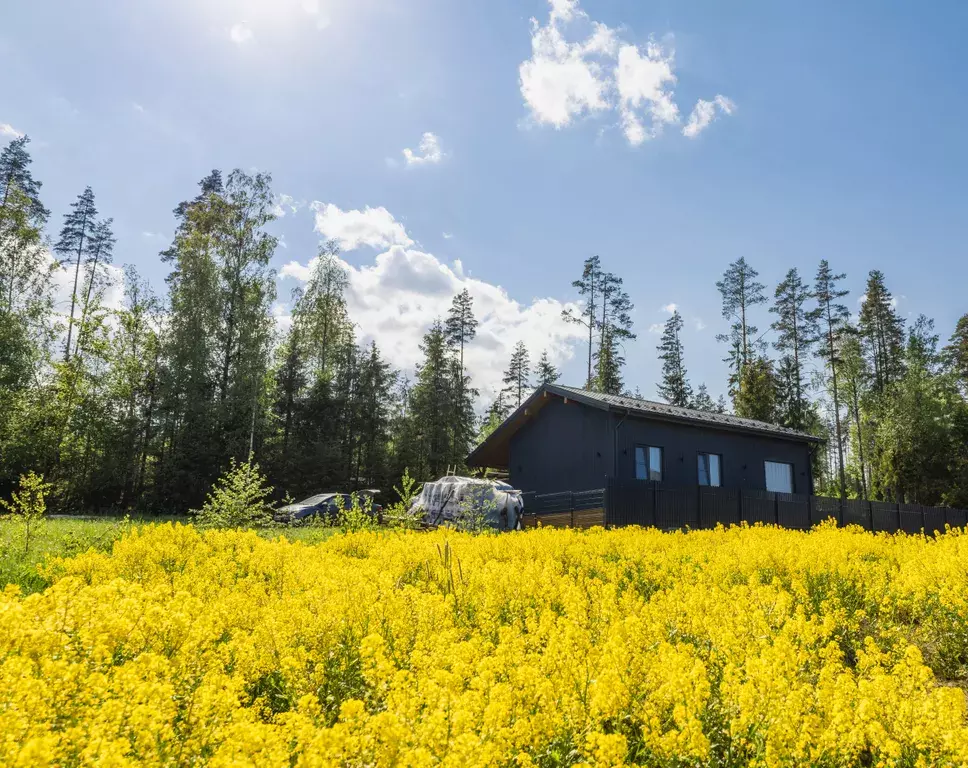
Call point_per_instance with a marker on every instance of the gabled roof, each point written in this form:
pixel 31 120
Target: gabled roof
pixel 493 452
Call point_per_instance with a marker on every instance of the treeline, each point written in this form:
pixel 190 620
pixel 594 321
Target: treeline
pixel 888 398
pixel 143 406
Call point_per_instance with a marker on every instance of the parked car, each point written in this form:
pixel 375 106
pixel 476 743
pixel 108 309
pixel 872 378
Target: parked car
pixel 326 506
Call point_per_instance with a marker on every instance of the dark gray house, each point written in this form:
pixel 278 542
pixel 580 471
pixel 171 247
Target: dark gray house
pixel 567 439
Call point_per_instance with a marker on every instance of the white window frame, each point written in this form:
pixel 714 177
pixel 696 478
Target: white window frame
pixel 766 472
pixel 650 471
pixel 708 469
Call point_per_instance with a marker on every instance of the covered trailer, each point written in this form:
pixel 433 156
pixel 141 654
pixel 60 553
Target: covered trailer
pixel 470 501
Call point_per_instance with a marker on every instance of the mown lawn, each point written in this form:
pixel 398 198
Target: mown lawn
pixel 23 562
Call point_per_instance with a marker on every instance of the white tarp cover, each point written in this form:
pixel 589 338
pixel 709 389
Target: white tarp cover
pixel 448 500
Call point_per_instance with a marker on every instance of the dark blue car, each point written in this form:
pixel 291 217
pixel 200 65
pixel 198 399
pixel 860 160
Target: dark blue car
pixel 325 506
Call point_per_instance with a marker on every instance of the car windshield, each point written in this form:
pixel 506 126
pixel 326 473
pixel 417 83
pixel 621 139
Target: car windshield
pixel 318 498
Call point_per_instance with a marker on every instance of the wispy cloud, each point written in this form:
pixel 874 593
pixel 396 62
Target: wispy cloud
pixel 704 113
pixel 8 131
pixel 429 151
pixel 670 307
pixel 240 33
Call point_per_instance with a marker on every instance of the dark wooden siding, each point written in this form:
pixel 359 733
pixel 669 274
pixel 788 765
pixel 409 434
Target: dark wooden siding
pixel 572 447
pixel 565 447
pixel 743 455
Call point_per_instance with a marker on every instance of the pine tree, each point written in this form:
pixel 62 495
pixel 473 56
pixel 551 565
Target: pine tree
pixel 15 173
pixel 616 315
pixel 461 325
pixel 461 328
pixel 517 377
pixel 73 243
pixel 674 387
pixel 795 336
pixel 854 375
pixel 100 252
pixel 740 292
pixel 831 317
pixel 546 373
pixel 588 286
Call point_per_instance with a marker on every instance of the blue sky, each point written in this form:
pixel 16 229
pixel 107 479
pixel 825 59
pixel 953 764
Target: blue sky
pixel 839 134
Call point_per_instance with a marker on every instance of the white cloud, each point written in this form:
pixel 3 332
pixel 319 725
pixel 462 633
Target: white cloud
pixel 374 227
pixel 240 33
pixel 704 113
pixel 641 82
pixel 137 107
pixel 8 131
pixel 670 307
pixel 598 72
pixel 396 297
pixel 447 236
pixel 63 281
pixel 656 327
pixel 429 151
pixel 284 204
pixel 700 325
pixel 314 9
pixel 563 80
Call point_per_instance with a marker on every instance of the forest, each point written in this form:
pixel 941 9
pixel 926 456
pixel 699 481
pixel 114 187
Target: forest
pixel 141 407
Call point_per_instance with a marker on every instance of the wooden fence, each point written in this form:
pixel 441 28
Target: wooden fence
pixel 583 509
pixel 640 502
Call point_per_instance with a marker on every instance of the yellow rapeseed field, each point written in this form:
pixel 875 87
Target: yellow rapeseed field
pixel 748 646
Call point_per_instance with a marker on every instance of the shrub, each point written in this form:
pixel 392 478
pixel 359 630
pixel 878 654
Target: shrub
pixel 239 499
pixel 28 503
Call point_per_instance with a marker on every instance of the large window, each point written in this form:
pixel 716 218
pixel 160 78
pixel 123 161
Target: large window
pixel 709 469
pixel 648 463
pixel 779 477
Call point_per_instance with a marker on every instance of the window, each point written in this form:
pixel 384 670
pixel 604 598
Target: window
pixel 648 463
pixel 779 477
pixel 709 469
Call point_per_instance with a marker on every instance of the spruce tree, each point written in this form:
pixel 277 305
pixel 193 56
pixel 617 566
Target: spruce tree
pixel 882 331
pixel 702 401
pixel 431 402
pixel 608 366
pixel 756 394
pixel 674 387
pixel 831 317
pixel 517 377
pixel 546 373
pixel 73 244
